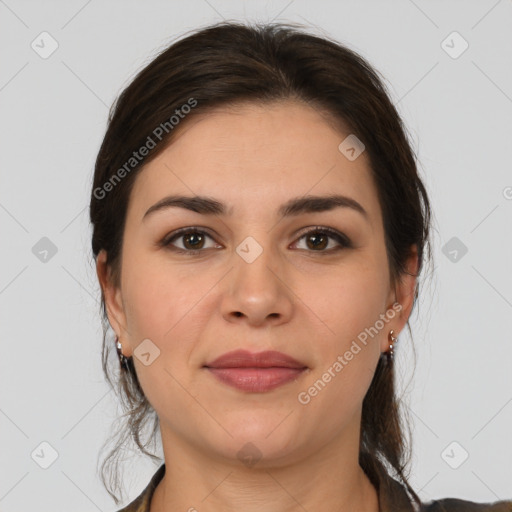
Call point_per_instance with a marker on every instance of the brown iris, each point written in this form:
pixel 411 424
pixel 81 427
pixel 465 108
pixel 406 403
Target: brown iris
pixel 196 240
pixel 320 241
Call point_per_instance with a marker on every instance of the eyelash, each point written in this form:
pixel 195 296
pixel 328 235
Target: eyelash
pixel 343 240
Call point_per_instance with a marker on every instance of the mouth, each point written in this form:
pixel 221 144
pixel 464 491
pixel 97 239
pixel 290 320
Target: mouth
pixel 256 373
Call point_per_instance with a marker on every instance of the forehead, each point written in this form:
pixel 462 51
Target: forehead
pixel 252 153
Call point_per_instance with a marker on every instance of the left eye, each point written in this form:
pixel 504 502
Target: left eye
pixel 317 240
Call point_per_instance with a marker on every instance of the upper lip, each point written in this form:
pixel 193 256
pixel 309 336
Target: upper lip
pixel 246 359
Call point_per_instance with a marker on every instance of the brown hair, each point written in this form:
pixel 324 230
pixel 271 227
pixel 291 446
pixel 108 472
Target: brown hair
pixel 229 63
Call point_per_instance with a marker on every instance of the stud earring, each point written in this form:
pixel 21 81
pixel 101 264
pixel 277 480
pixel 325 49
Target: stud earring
pixel 123 360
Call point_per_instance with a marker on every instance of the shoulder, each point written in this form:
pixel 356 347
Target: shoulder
pixel 458 505
pixel 394 497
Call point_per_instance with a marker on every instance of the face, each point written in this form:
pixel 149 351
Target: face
pixel 309 284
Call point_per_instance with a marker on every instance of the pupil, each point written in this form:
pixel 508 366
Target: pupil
pixel 193 237
pixel 316 242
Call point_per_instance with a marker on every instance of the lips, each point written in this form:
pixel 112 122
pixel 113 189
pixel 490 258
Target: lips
pixel 246 359
pixel 255 372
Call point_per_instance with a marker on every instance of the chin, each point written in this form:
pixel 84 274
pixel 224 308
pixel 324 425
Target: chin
pixel 262 443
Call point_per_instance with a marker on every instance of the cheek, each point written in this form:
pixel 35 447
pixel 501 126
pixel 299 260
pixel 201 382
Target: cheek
pixel 350 299
pixel 350 304
pixel 347 357
pixel 160 307
pixel 158 297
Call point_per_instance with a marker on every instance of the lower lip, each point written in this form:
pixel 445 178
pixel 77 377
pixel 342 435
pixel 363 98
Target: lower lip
pixel 256 380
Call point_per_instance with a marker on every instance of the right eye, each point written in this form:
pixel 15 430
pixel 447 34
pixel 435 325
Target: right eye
pixel 193 240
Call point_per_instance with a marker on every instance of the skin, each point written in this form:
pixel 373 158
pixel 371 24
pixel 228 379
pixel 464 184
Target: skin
pixel 293 298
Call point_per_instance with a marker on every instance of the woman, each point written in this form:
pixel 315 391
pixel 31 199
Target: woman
pixel 259 228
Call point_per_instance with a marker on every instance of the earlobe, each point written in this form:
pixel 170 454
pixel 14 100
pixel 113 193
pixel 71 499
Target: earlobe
pixel 403 295
pixel 113 299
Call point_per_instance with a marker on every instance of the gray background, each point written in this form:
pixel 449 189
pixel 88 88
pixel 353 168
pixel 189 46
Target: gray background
pixel 54 110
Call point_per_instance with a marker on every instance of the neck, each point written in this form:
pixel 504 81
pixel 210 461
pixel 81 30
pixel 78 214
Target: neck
pixel 330 479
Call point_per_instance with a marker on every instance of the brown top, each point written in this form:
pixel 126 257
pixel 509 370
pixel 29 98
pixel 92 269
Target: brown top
pixel 392 498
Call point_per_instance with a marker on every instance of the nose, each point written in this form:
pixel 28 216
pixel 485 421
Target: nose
pixel 258 293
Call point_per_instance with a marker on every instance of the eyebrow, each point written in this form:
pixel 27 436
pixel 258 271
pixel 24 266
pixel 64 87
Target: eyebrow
pixel 296 206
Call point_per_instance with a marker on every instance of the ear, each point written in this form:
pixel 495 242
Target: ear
pixel 401 297
pixel 113 300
